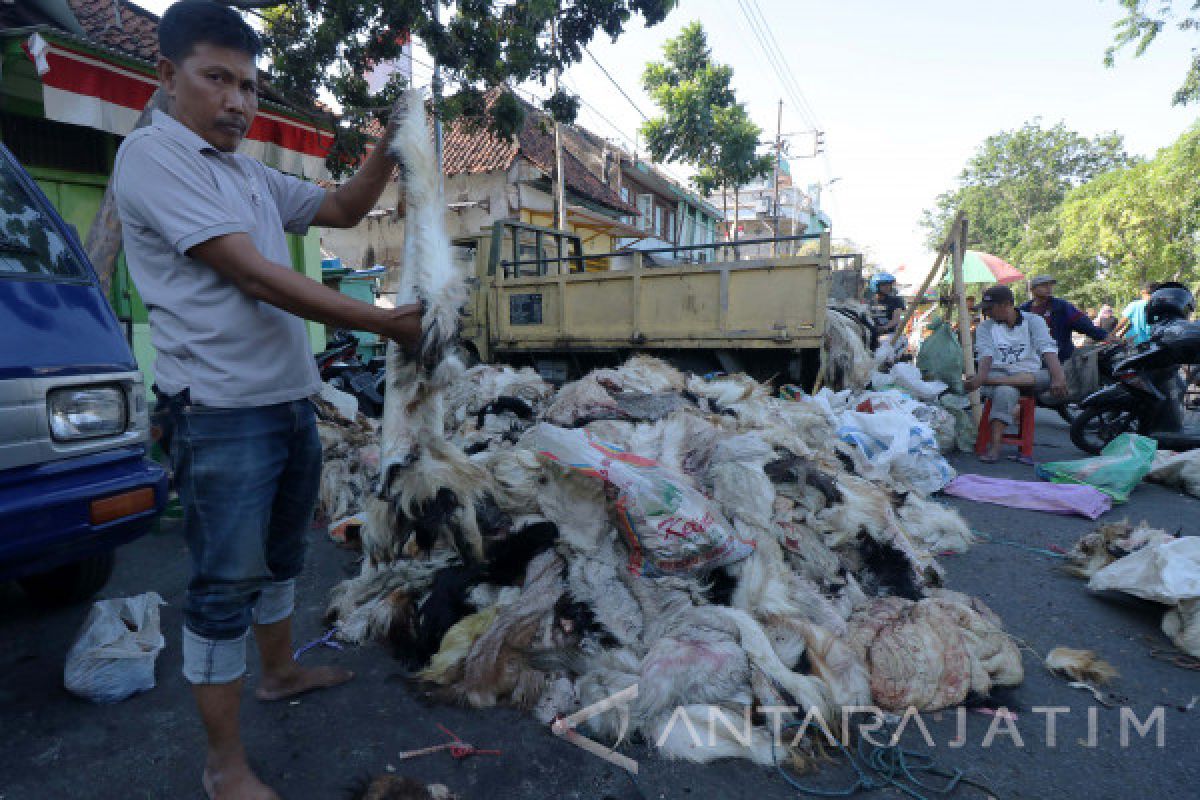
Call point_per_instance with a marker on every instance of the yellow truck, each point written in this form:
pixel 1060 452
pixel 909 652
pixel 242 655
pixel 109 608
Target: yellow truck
pixel 538 299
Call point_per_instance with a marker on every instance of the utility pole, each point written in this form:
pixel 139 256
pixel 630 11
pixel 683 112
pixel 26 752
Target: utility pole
pixel 778 159
pixel 560 193
pixel 435 86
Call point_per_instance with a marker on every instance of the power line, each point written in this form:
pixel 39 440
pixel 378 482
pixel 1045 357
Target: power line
pixel 776 65
pixel 789 74
pixel 613 81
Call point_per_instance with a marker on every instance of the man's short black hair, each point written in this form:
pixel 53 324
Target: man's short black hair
pixel 1150 287
pixel 192 22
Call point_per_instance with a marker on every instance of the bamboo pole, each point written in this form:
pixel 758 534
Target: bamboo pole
pixel 934 271
pixel 964 315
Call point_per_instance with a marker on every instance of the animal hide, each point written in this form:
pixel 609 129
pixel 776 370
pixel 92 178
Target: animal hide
pixel 1080 665
pixel 494 667
pixel 1109 542
pixel 396 787
pixel 845 356
pixel 931 654
pixel 836 605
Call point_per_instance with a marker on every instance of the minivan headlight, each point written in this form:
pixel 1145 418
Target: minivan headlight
pixel 86 413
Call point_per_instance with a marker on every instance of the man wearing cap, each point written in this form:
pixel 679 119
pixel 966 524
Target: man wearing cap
pixel 1016 351
pixel 1061 316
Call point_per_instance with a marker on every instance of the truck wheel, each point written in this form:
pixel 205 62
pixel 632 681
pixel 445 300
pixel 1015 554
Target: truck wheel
pixel 71 583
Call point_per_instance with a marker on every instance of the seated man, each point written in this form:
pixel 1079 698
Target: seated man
pixel 1012 349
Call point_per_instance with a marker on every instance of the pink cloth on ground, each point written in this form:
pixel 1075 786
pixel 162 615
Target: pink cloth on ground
pixel 1057 498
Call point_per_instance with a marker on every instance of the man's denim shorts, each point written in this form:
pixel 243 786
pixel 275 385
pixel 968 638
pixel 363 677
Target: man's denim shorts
pixel 247 480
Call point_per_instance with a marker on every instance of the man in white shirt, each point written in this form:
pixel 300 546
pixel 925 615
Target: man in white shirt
pixel 1012 349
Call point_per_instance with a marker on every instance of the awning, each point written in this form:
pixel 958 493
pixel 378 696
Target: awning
pixel 82 88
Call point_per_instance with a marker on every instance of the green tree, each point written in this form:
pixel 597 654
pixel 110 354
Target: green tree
pixel 691 89
pixel 1141 25
pixel 1016 177
pixel 330 45
pixel 702 123
pixel 1131 225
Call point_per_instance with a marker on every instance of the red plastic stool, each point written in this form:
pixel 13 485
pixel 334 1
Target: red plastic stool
pixel 1023 438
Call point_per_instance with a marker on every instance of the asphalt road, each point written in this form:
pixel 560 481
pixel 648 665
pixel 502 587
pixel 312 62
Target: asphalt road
pixel 150 746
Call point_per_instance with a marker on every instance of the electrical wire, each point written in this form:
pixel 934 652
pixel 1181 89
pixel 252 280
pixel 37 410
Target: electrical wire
pixel 613 81
pixel 789 74
pixel 776 65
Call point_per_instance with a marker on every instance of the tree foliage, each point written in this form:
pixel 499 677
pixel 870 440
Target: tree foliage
pixel 1129 225
pixel 1144 20
pixel 702 123
pixel 1016 177
pixel 315 45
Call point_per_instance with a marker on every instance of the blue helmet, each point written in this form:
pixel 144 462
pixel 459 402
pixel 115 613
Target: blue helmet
pixel 878 278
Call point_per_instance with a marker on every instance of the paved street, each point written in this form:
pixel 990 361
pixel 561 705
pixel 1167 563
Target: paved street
pixel 150 746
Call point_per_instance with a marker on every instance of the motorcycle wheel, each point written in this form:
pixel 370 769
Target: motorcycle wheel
pixel 1094 428
pixel 1067 412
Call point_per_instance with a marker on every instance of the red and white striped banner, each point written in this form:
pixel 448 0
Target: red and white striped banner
pixel 82 89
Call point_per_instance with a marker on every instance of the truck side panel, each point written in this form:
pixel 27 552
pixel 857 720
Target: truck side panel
pixel 741 304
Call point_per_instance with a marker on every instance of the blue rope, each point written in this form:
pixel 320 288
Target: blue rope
pixel 1041 551
pixel 883 767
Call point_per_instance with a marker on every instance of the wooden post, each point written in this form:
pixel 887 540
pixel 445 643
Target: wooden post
pixel 964 314
pixel 103 243
pixel 943 251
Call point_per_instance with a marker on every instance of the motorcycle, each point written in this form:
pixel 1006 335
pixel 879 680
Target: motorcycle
pixel 1146 396
pixel 341 367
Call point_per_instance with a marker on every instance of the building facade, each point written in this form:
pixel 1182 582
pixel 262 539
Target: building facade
pixel 74 77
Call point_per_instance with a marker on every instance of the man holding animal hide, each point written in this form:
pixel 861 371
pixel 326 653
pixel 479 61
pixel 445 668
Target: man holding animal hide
pixel 203 231
pixel 1012 347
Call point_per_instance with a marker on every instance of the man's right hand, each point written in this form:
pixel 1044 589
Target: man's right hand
pixel 403 326
pixel 972 383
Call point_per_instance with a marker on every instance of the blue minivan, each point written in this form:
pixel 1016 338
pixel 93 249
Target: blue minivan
pixel 75 480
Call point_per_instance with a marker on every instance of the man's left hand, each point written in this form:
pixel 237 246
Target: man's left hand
pixel 1058 387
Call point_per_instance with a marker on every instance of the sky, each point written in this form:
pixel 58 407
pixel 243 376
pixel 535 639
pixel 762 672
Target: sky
pixel 904 92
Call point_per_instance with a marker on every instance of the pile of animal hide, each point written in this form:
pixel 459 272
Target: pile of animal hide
pixel 503 572
pixel 1150 564
pixel 836 604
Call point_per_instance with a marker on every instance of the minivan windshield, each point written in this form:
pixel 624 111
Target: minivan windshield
pixel 30 243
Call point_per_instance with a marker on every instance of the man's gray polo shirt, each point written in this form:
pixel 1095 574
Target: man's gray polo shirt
pixel 175 191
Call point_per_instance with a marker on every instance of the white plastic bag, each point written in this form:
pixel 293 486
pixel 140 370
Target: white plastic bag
pixel 671 528
pixel 1164 573
pixel 113 656
pixel 894 445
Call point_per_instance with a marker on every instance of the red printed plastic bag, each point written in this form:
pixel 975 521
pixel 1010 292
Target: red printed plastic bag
pixel 671 528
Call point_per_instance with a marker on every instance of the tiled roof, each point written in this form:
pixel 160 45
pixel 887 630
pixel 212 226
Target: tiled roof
pixel 472 150
pixel 116 25
pixel 119 25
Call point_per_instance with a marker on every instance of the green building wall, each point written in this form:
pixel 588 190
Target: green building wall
pixel 77 198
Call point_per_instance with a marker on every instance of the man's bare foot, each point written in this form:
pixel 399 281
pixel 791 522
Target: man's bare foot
pixel 234 781
pixel 300 680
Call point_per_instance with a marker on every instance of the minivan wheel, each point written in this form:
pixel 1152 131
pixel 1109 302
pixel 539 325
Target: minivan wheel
pixel 71 583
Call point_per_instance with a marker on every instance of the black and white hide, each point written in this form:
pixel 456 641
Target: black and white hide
pixel 431 488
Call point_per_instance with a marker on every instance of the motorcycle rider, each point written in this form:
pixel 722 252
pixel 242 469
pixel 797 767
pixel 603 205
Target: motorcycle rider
pixel 886 306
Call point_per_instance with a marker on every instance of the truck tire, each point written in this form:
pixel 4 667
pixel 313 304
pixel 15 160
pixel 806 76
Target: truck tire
pixel 71 583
